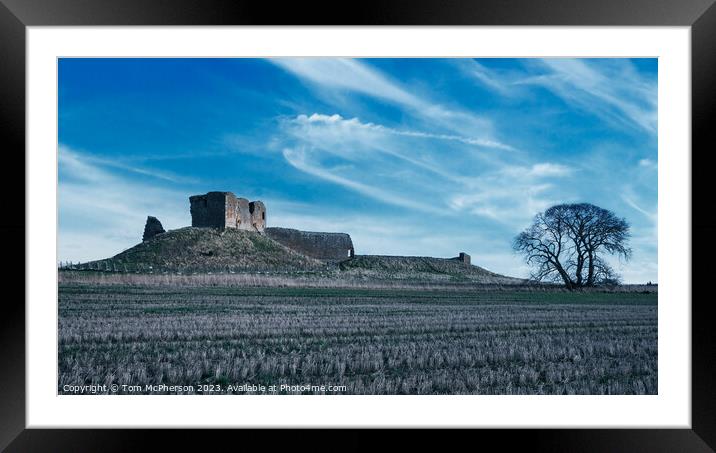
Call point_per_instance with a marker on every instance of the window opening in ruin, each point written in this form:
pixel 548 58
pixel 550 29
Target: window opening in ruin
pixel 263 216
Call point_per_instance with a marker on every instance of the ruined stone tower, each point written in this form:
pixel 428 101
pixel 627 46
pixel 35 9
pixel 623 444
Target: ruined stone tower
pixel 152 228
pixel 224 210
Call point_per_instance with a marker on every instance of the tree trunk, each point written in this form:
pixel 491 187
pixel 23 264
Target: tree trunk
pixel 590 274
pixel 567 281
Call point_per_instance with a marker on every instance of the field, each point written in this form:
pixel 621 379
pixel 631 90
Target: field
pixel 357 340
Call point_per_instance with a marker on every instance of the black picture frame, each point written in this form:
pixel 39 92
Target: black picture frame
pixel 16 15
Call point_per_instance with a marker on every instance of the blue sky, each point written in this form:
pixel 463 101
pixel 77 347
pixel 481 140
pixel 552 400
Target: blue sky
pixel 409 156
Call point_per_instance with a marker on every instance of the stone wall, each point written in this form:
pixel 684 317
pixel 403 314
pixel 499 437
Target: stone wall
pixel 241 217
pixel 258 215
pixel 322 246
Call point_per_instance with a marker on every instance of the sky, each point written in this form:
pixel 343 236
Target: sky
pixel 425 157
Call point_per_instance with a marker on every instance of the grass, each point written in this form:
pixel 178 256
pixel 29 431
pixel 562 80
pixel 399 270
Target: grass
pixel 365 340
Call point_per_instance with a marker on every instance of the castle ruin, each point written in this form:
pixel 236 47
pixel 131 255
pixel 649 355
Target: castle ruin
pixel 225 210
pixel 222 210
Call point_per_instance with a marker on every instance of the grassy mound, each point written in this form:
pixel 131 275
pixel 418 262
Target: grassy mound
pixel 205 250
pixel 421 268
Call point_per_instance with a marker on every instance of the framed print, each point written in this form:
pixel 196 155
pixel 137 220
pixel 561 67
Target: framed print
pixel 493 219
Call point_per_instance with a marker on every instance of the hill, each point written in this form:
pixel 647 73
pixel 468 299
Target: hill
pixel 422 268
pixel 200 250
pixel 207 250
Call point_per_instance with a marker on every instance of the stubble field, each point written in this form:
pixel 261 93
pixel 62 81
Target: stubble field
pixel 359 341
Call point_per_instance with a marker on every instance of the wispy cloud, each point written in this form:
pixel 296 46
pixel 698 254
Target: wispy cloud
pixel 298 159
pixel 511 202
pixel 351 75
pixel 101 212
pixel 502 84
pixel 336 119
pixel 355 76
pixel 629 200
pixel 400 166
pixel 513 193
pixel 644 234
pixel 90 165
pixel 614 92
pixel 539 170
pixel 368 143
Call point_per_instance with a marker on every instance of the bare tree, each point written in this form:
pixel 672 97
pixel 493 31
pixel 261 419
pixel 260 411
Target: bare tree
pixel 567 242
